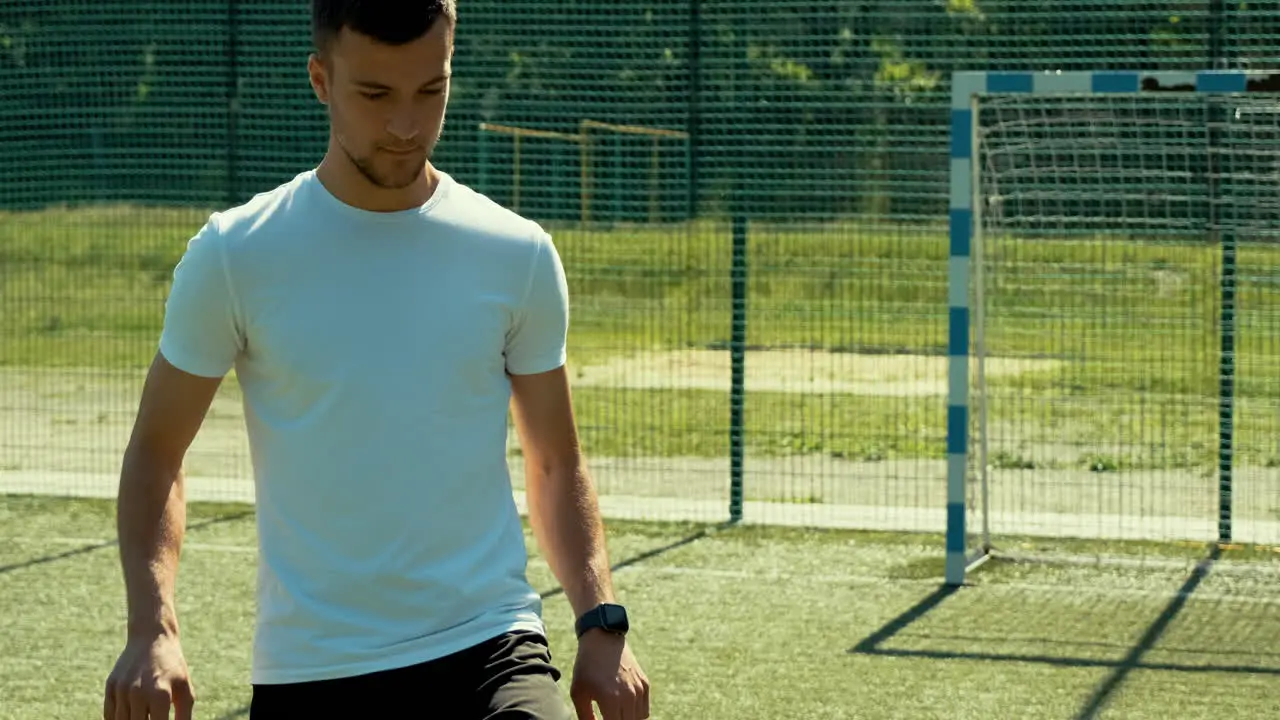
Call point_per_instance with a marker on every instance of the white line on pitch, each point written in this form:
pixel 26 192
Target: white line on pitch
pixel 1063 589
pixel 88 542
pixel 764 577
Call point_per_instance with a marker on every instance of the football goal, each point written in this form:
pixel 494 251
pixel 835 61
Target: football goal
pixel 1122 229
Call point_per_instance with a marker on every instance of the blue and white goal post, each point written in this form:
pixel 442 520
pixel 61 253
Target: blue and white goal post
pixel 1028 99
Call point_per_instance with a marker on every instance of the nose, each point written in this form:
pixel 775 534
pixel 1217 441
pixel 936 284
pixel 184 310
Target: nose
pixel 402 126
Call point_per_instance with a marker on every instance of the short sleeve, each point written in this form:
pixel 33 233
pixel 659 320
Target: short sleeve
pixel 201 335
pixel 538 337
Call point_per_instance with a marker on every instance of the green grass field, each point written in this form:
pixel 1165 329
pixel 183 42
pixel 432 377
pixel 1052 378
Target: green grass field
pixel 730 623
pixel 1103 399
pixel 1133 325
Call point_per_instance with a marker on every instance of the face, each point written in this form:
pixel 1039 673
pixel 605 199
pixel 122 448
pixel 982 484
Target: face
pixel 386 103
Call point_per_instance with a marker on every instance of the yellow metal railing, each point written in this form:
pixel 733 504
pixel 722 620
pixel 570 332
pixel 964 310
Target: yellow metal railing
pixel 583 139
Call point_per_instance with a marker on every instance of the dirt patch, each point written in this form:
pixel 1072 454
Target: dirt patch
pixel 792 371
pixel 75 420
pixel 64 431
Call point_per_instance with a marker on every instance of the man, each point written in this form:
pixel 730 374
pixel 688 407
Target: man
pixel 381 319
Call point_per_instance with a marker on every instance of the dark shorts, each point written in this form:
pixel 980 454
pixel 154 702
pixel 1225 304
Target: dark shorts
pixel 507 678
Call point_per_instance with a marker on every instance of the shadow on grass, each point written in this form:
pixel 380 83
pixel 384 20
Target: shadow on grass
pixel 649 554
pixel 871 644
pixel 93 547
pixel 1133 659
pixel 1120 669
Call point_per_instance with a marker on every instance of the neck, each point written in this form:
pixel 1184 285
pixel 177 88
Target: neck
pixel 345 182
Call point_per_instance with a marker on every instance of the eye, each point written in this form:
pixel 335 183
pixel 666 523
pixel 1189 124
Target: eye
pixel 433 91
pixel 374 95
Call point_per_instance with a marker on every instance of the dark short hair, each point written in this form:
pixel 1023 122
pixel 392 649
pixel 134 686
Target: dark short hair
pixel 393 22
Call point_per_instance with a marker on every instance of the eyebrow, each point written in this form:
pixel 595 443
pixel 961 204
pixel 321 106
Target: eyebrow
pixel 370 85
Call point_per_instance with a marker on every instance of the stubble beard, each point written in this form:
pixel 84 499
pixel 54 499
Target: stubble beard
pixel 404 171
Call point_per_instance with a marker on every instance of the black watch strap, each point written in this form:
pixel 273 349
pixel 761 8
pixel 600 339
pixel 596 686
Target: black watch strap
pixel 610 617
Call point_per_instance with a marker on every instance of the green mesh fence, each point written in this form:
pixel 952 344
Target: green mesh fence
pixel 749 197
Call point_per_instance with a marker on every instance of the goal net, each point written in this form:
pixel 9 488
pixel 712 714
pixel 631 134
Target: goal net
pixel 1123 307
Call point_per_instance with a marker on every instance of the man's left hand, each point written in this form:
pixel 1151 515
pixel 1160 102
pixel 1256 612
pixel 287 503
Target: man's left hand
pixel 607 674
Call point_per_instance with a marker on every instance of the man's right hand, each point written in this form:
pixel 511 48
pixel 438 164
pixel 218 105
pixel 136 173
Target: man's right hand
pixel 150 678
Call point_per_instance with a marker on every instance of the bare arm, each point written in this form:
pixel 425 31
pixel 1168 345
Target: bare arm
pixel 562 502
pixel 202 334
pixel 563 508
pixel 151 512
pixel 565 516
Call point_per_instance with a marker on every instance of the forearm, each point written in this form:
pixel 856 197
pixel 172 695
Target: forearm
pixel 565 516
pixel 150 523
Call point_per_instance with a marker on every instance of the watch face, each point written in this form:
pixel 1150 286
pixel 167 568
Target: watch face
pixel 615 616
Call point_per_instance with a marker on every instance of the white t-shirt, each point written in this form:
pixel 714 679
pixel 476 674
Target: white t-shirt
pixel 372 351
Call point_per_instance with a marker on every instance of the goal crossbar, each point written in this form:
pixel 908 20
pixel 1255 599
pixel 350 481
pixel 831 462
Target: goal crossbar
pixel 967 90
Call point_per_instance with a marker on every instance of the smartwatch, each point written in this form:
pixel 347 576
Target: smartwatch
pixel 608 617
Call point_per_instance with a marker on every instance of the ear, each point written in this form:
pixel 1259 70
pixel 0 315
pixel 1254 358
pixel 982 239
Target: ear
pixel 319 78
